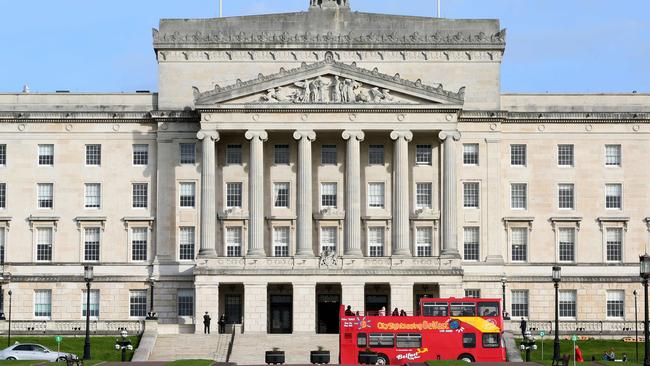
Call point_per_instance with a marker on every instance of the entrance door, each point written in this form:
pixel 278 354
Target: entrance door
pixel 281 308
pixel 328 313
pixel 374 303
pixel 233 309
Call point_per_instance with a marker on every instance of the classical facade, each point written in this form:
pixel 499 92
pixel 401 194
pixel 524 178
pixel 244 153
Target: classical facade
pixel 294 162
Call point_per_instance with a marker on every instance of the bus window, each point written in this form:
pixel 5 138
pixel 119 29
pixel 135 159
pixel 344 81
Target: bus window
pixel 463 309
pixel 491 340
pixel 469 340
pixel 361 340
pixel 435 309
pixel 409 340
pixel 385 340
pixel 488 309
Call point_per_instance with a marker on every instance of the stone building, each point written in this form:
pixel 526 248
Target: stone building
pixel 290 163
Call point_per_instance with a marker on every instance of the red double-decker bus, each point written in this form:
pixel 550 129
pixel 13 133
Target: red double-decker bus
pixel 466 329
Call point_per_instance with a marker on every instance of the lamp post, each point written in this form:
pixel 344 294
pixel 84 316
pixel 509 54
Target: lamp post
pixel 88 277
pixel 9 331
pixel 2 297
pixel 556 343
pixel 123 345
pixel 636 330
pixel 644 266
pixel 503 293
pixel 151 315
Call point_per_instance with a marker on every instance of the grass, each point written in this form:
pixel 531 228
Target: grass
pixel 101 348
pixel 594 347
pixel 447 363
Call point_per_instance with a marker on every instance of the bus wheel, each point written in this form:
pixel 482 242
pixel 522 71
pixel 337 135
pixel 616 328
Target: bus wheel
pixel 465 357
pixel 382 359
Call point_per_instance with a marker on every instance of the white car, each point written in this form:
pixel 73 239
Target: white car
pixel 32 351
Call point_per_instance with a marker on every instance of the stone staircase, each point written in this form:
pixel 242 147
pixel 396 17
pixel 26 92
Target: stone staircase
pixel 248 349
pixel 171 347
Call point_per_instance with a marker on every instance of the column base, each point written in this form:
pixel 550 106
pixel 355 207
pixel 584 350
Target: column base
pixel 256 253
pixel 306 254
pixel 353 253
pixel 494 259
pixel 207 253
pixel 450 254
pixel 402 253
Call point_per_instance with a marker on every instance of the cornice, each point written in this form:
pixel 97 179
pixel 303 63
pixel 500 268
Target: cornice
pixel 553 117
pixel 75 117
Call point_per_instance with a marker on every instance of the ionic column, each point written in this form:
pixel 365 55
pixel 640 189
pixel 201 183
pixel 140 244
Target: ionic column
pixel 449 201
pixel 256 193
pixel 353 192
pixel 208 193
pixel 304 221
pixel 401 243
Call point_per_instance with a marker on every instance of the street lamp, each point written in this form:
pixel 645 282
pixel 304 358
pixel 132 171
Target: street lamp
pixel 151 315
pixel 636 329
pixel 88 277
pixel 9 331
pixel 503 293
pixel 556 343
pixel 644 267
pixel 123 345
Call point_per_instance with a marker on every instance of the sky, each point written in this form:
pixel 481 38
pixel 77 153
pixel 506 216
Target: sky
pixel 106 45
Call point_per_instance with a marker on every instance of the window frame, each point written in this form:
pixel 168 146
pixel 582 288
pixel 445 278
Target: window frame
pixel 427 247
pixel 3 195
pixel 146 195
pixel 281 249
pixel 183 155
pixel 373 154
pixel 563 160
pixel 619 156
pixel 573 244
pixel 139 156
pixel 466 186
pixel 97 311
pixel 187 201
pixel 190 244
pixel 35 304
pixel 3 155
pixel 282 154
pixel 619 198
pixel 524 309
pixel 574 306
pixel 322 243
pixel 278 196
pixel 512 244
pixel 336 194
pixel 423 151
pixel 381 248
pixel 87 196
pixel 621 249
pixel 428 196
pixel 328 154
pixel 234 154
pixel 236 196
pixel 524 205
pixel 50 157
pixel 86 249
pixel 466 243
pixel 142 294
pixel 132 240
pixel 573 196
pixel 184 308
pixel 513 161
pixel 471 158
pixel 89 155
pixel 37 243
pixel 38 197
pixel 380 195
pixel 621 305
pixel 239 252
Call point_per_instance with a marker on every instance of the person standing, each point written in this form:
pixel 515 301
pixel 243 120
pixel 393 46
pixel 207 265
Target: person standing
pixel 523 326
pixel 222 324
pixel 206 323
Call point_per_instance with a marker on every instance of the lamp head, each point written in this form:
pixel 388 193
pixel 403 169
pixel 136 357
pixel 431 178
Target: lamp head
pixel 123 333
pixel 557 277
pixel 644 266
pixel 634 292
pixel 88 273
pixel 503 280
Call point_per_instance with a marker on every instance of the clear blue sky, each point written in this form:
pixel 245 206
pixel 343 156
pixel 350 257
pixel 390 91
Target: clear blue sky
pixel 106 45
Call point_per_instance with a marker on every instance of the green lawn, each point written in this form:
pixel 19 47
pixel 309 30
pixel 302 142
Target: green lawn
pixel 447 363
pixel 101 348
pixel 589 348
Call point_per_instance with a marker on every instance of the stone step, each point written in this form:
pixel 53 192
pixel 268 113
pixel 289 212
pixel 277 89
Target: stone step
pixel 249 349
pixel 171 347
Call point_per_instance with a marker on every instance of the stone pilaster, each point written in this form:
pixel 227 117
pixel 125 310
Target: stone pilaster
pixel 304 316
pixel 401 297
pixel 304 189
pixel 449 198
pixel 255 303
pixel 401 242
pixel 353 294
pixel 208 193
pixel 206 295
pixel 256 193
pixel 494 226
pixel 353 192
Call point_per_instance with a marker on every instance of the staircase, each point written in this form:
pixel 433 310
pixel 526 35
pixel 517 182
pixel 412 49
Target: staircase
pixel 249 349
pixel 170 347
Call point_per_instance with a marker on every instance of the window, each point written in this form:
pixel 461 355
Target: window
pixel 565 155
pixel 233 241
pixel 488 308
pixel 94 303
pixel 94 154
pixel 469 340
pixel 328 155
pixel 186 243
pixel 463 309
pixel 567 304
pixel 185 302
pixel 423 195
pixel 140 154
pixel 376 241
pixel 491 340
pixel 328 239
pixel 518 196
pixel 328 194
pixel 45 195
pixel 140 195
pixel 233 194
pixel 519 303
pixel 3 242
pixel 138 303
pixel 565 196
pixel 188 153
pixel 423 241
pixel 615 304
pixel 435 309
pixel 612 155
pixel 519 244
pixel 188 194
pixel 474 293
pixel 91 244
pixel 376 195
pixel 471 244
pixel 613 196
pixel 423 155
pixel 3 195
pixel 281 154
pixel 361 340
pixel 470 154
pixel 44 244
pixel 381 340
pixel 139 244
pixel 233 154
pixel 518 155
pixel 470 195
pixel 42 304
pixel 3 154
pixel 408 340
pixel 92 195
pixel 614 244
pixel 46 155
pixel 281 194
pixel 567 238
pixel 281 241
pixel 376 154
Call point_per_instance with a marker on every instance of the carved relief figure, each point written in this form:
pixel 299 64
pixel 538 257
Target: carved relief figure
pixel 272 96
pixel 323 87
pixel 336 90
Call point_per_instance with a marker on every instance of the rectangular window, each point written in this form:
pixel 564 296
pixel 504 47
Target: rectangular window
pixel 234 154
pixel 474 293
pixel 519 241
pixel 139 244
pixel 423 155
pixel 408 340
pixel 567 243
pixel 188 194
pixel 565 196
pixel 567 303
pixel 281 154
pixel 328 155
pixel 281 194
pixel 233 241
pixel 138 303
pixel 3 195
pixel 491 340
pixel 94 154
pixel 518 155
pixel 186 243
pixel 44 244
pixel 185 302
pixel 328 239
pixel 613 196
pixel 328 194
pixel 94 303
pixel 188 153
pixel 381 340
pixel 612 155
pixel 614 244
pixel 91 244
pixel 519 303
pixel 140 154
pixel 46 155
pixel 45 195
pixel 470 194
pixel 423 241
pixel 3 154
pixel 43 304
pixel 376 195
pixel 3 239
pixel 469 340
pixel 92 195
pixel 140 195
pixel 565 155
pixel 281 241
pixel 233 194
pixel 518 196
pixel 376 241
pixel 423 195
pixel 616 304
pixel 471 244
pixel 470 154
pixel 376 154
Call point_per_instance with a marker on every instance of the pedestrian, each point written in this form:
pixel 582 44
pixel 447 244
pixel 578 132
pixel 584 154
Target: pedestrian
pixel 402 313
pixel 395 312
pixel 579 357
pixel 382 311
pixel 206 323
pixel 348 311
pixel 523 326
pixel 222 323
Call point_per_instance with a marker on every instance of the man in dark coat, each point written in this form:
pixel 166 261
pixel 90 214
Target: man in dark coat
pixel 222 324
pixel 206 323
pixel 523 326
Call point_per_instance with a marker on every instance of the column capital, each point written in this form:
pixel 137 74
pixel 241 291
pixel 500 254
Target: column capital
pixel 210 134
pixel 398 134
pixel 309 134
pixel 357 134
pixel 259 134
pixel 443 135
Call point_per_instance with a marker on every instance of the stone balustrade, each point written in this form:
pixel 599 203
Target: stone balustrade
pixel 71 327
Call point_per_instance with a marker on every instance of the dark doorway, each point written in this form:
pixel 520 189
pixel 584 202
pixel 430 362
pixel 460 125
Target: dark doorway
pixel 280 309
pixel 328 313
pixel 377 296
pixel 423 291
pixel 233 309
pixel 231 302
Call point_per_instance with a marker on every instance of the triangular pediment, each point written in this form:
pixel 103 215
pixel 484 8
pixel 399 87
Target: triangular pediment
pixel 328 82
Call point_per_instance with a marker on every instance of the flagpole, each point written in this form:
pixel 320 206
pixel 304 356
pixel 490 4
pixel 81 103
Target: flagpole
pixel 438 13
pixel 220 8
